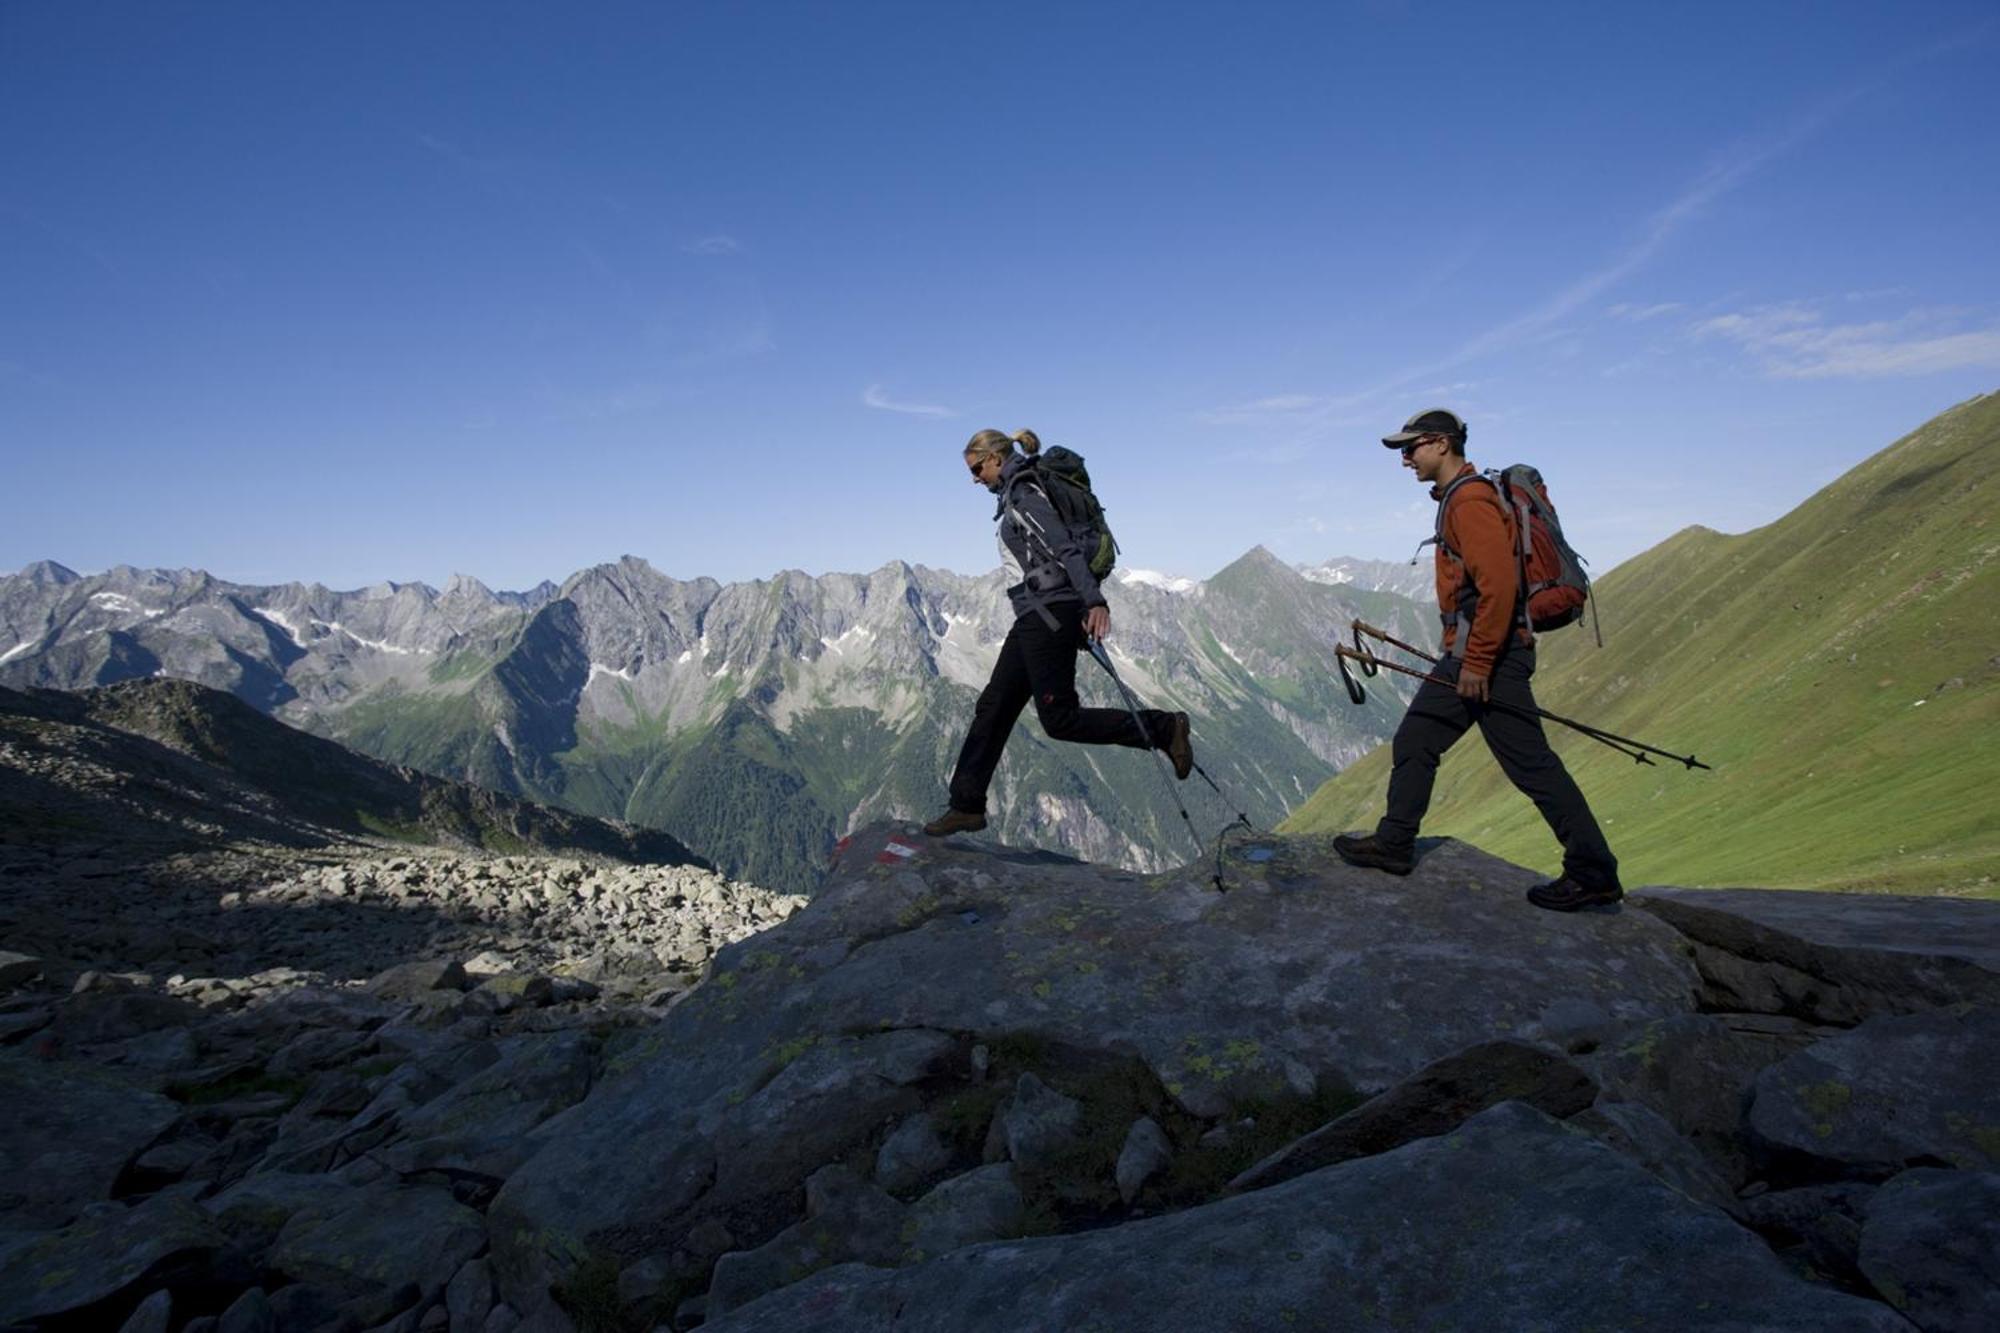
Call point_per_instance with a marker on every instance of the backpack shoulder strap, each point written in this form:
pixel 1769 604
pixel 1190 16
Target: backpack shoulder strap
pixel 1451 489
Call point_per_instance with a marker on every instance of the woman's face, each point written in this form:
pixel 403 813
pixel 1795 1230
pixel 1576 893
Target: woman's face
pixel 986 470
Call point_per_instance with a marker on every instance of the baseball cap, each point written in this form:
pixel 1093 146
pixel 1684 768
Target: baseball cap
pixel 1430 421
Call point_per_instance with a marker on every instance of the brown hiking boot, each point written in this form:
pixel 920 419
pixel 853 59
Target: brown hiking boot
pixel 955 821
pixel 1567 895
pixel 1365 849
pixel 1179 750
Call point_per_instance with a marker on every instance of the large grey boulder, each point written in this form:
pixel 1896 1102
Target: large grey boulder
pixel 1434 1100
pixel 18 969
pixel 379 1247
pixel 1308 977
pixel 154 1314
pixel 847 1220
pixel 1642 1134
pixel 98 1016
pixel 914 1153
pixel 468 1297
pixel 1037 1128
pixel 253 1211
pixel 1911 1090
pixel 249 1313
pixel 419 979
pixel 696 1140
pixel 1835 957
pixel 73 1273
pixel 1820 1223
pixel 1696 1071
pixel 983 1204
pixel 1338 1249
pixel 70 1131
pixel 480 1127
pixel 1147 1151
pixel 1931 1246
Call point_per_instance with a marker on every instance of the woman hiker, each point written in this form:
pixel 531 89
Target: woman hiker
pixel 1058 608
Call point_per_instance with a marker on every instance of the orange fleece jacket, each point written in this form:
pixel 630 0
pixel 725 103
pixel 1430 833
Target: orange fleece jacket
pixel 1479 528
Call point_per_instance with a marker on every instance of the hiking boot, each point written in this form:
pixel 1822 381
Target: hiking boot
pixel 955 821
pixel 1567 895
pixel 1365 849
pixel 1179 751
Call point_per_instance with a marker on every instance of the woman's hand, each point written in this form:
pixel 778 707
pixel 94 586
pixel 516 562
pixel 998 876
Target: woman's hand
pixel 1097 622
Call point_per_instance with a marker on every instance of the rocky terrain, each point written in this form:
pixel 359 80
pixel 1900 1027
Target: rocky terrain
pixel 159 834
pixel 973 1087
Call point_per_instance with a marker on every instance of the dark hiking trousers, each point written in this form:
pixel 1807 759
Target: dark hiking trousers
pixel 1039 663
pixel 1438 717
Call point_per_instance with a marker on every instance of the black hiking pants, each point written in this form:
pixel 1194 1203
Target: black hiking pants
pixel 1040 663
pixel 1438 717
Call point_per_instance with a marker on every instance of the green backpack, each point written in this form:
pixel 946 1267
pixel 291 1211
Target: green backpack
pixel 1067 483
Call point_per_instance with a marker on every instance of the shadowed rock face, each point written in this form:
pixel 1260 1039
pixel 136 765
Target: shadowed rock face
pixel 1309 976
pixel 1018 1085
pixel 1844 1103
pixel 1477 1229
pixel 1832 957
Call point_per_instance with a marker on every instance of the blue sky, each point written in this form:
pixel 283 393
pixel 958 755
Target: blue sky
pixel 346 292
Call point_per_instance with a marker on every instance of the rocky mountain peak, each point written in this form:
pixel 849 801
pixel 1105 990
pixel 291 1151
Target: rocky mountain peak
pixel 47 573
pixel 1256 567
pixel 465 587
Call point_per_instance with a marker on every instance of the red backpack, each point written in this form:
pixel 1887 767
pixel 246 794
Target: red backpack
pixel 1553 582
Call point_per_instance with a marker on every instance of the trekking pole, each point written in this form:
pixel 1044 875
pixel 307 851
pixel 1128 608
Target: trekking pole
pixel 1097 650
pixel 1619 743
pixel 1625 745
pixel 1370 664
pixel 1362 627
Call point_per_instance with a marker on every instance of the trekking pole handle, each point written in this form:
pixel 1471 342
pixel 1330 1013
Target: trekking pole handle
pixel 1362 627
pixel 1355 694
pixel 1367 659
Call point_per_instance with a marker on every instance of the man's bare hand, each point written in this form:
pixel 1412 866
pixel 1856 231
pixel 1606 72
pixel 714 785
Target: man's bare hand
pixel 1097 621
pixel 1472 685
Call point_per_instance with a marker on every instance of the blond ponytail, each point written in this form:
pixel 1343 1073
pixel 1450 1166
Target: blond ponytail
pixel 996 444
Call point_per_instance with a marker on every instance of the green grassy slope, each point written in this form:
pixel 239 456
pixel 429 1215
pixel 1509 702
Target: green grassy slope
pixel 1838 668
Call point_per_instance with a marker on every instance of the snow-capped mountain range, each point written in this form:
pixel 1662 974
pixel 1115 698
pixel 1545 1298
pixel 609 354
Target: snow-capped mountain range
pixel 756 721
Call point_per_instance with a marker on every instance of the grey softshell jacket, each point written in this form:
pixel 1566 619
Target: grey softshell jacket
pixel 1055 567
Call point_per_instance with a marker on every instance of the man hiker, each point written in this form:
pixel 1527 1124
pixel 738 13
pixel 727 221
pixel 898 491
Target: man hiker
pixel 1489 656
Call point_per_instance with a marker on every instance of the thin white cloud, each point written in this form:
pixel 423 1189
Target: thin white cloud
pixel 714 245
pixel 1794 341
pixel 1639 314
pixel 1280 405
pixel 874 397
pixel 1726 173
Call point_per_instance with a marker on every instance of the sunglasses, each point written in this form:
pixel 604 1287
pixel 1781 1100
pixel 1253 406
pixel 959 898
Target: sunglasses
pixel 1419 443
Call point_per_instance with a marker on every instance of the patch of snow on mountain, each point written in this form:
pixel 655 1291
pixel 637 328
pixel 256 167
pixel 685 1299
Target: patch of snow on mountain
pixel 119 604
pixel 1152 578
pixel 598 669
pixel 16 651
pixel 853 632
pixel 1328 574
pixel 376 644
pixel 1232 654
pixel 687 655
pixel 278 618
